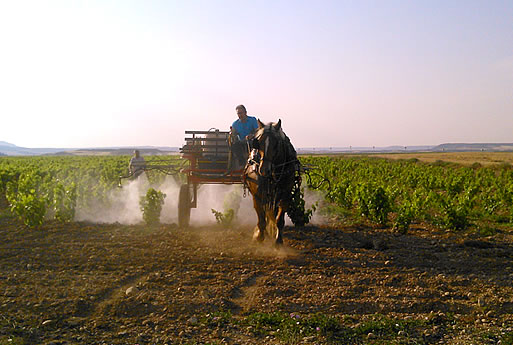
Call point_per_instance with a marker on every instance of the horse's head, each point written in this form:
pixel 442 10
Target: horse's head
pixel 267 141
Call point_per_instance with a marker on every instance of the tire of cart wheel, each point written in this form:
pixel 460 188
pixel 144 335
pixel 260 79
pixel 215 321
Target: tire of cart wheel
pixel 184 206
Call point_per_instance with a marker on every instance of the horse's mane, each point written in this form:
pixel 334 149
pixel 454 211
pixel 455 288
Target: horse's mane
pixel 291 151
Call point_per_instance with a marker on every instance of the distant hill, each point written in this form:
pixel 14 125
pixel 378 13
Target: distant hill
pixel 5 143
pixel 448 147
pixel 362 149
pixel 147 151
pixel 13 150
pixel 7 149
pixel 455 147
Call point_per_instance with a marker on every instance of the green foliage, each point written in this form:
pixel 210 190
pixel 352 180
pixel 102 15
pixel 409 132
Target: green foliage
pixel 507 338
pixel 225 219
pixel 405 216
pixel 384 327
pixel 373 202
pixel 293 327
pixel 39 187
pixel 64 202
pixel 231 206
pixel 340 194
pixel 26 199
pixel 454 213
pixel 12 340
pixel 486 230
pixel 151 206
pixel 218 319
pixel 297 211
pixel 444 194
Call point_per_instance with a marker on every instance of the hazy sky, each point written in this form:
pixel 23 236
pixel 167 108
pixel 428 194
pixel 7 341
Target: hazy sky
pixel 338 73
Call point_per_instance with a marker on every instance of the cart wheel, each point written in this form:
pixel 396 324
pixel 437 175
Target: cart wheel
pixel 184 206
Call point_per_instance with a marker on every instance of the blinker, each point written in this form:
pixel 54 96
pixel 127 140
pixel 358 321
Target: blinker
pixel 255 144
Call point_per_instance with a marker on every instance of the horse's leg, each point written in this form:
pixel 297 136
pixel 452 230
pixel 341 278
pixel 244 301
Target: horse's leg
pixel 259 232
pixel 280 223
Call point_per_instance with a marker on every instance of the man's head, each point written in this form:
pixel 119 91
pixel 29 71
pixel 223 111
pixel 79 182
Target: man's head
pixel 136 153
pixel 241 112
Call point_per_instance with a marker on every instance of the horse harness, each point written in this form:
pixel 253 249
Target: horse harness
pixel 271 181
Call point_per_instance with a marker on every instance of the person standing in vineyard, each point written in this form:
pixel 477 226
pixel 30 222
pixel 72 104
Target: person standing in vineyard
pixel 136 165
pixel 242 130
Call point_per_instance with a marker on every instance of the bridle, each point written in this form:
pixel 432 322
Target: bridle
pixel 281 163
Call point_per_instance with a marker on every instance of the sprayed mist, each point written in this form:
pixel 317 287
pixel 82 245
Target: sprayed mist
pixel 122 204
pixel 313 197
pixel 122 207
pixel 222 198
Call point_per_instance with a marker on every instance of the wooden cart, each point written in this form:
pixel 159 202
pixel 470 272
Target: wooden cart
pixel 210 162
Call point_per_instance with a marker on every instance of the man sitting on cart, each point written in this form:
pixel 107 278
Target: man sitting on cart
pixel 242 131
pixel 136 165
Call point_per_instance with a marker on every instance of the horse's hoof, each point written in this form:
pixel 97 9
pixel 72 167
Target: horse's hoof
pixel 278 243
pixel 258 238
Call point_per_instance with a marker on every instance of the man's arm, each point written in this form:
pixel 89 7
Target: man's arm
pixel 254 124
pixel 251 135
pixel 234 131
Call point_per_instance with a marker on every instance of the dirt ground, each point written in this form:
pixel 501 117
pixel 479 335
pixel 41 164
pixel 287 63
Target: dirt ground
pixel 114 284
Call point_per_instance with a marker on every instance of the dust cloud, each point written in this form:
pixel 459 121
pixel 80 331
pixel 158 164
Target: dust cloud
pixel 222 198
pixel 218 197
pixel 121 205
pixel 314 197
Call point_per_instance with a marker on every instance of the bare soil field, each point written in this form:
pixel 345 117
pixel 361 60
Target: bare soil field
pixel 86 283
pixel 465 158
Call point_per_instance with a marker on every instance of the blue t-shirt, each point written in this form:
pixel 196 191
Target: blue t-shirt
pixel 244 129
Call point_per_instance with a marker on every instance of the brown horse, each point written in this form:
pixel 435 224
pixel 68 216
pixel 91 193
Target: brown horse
pixel 272 172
